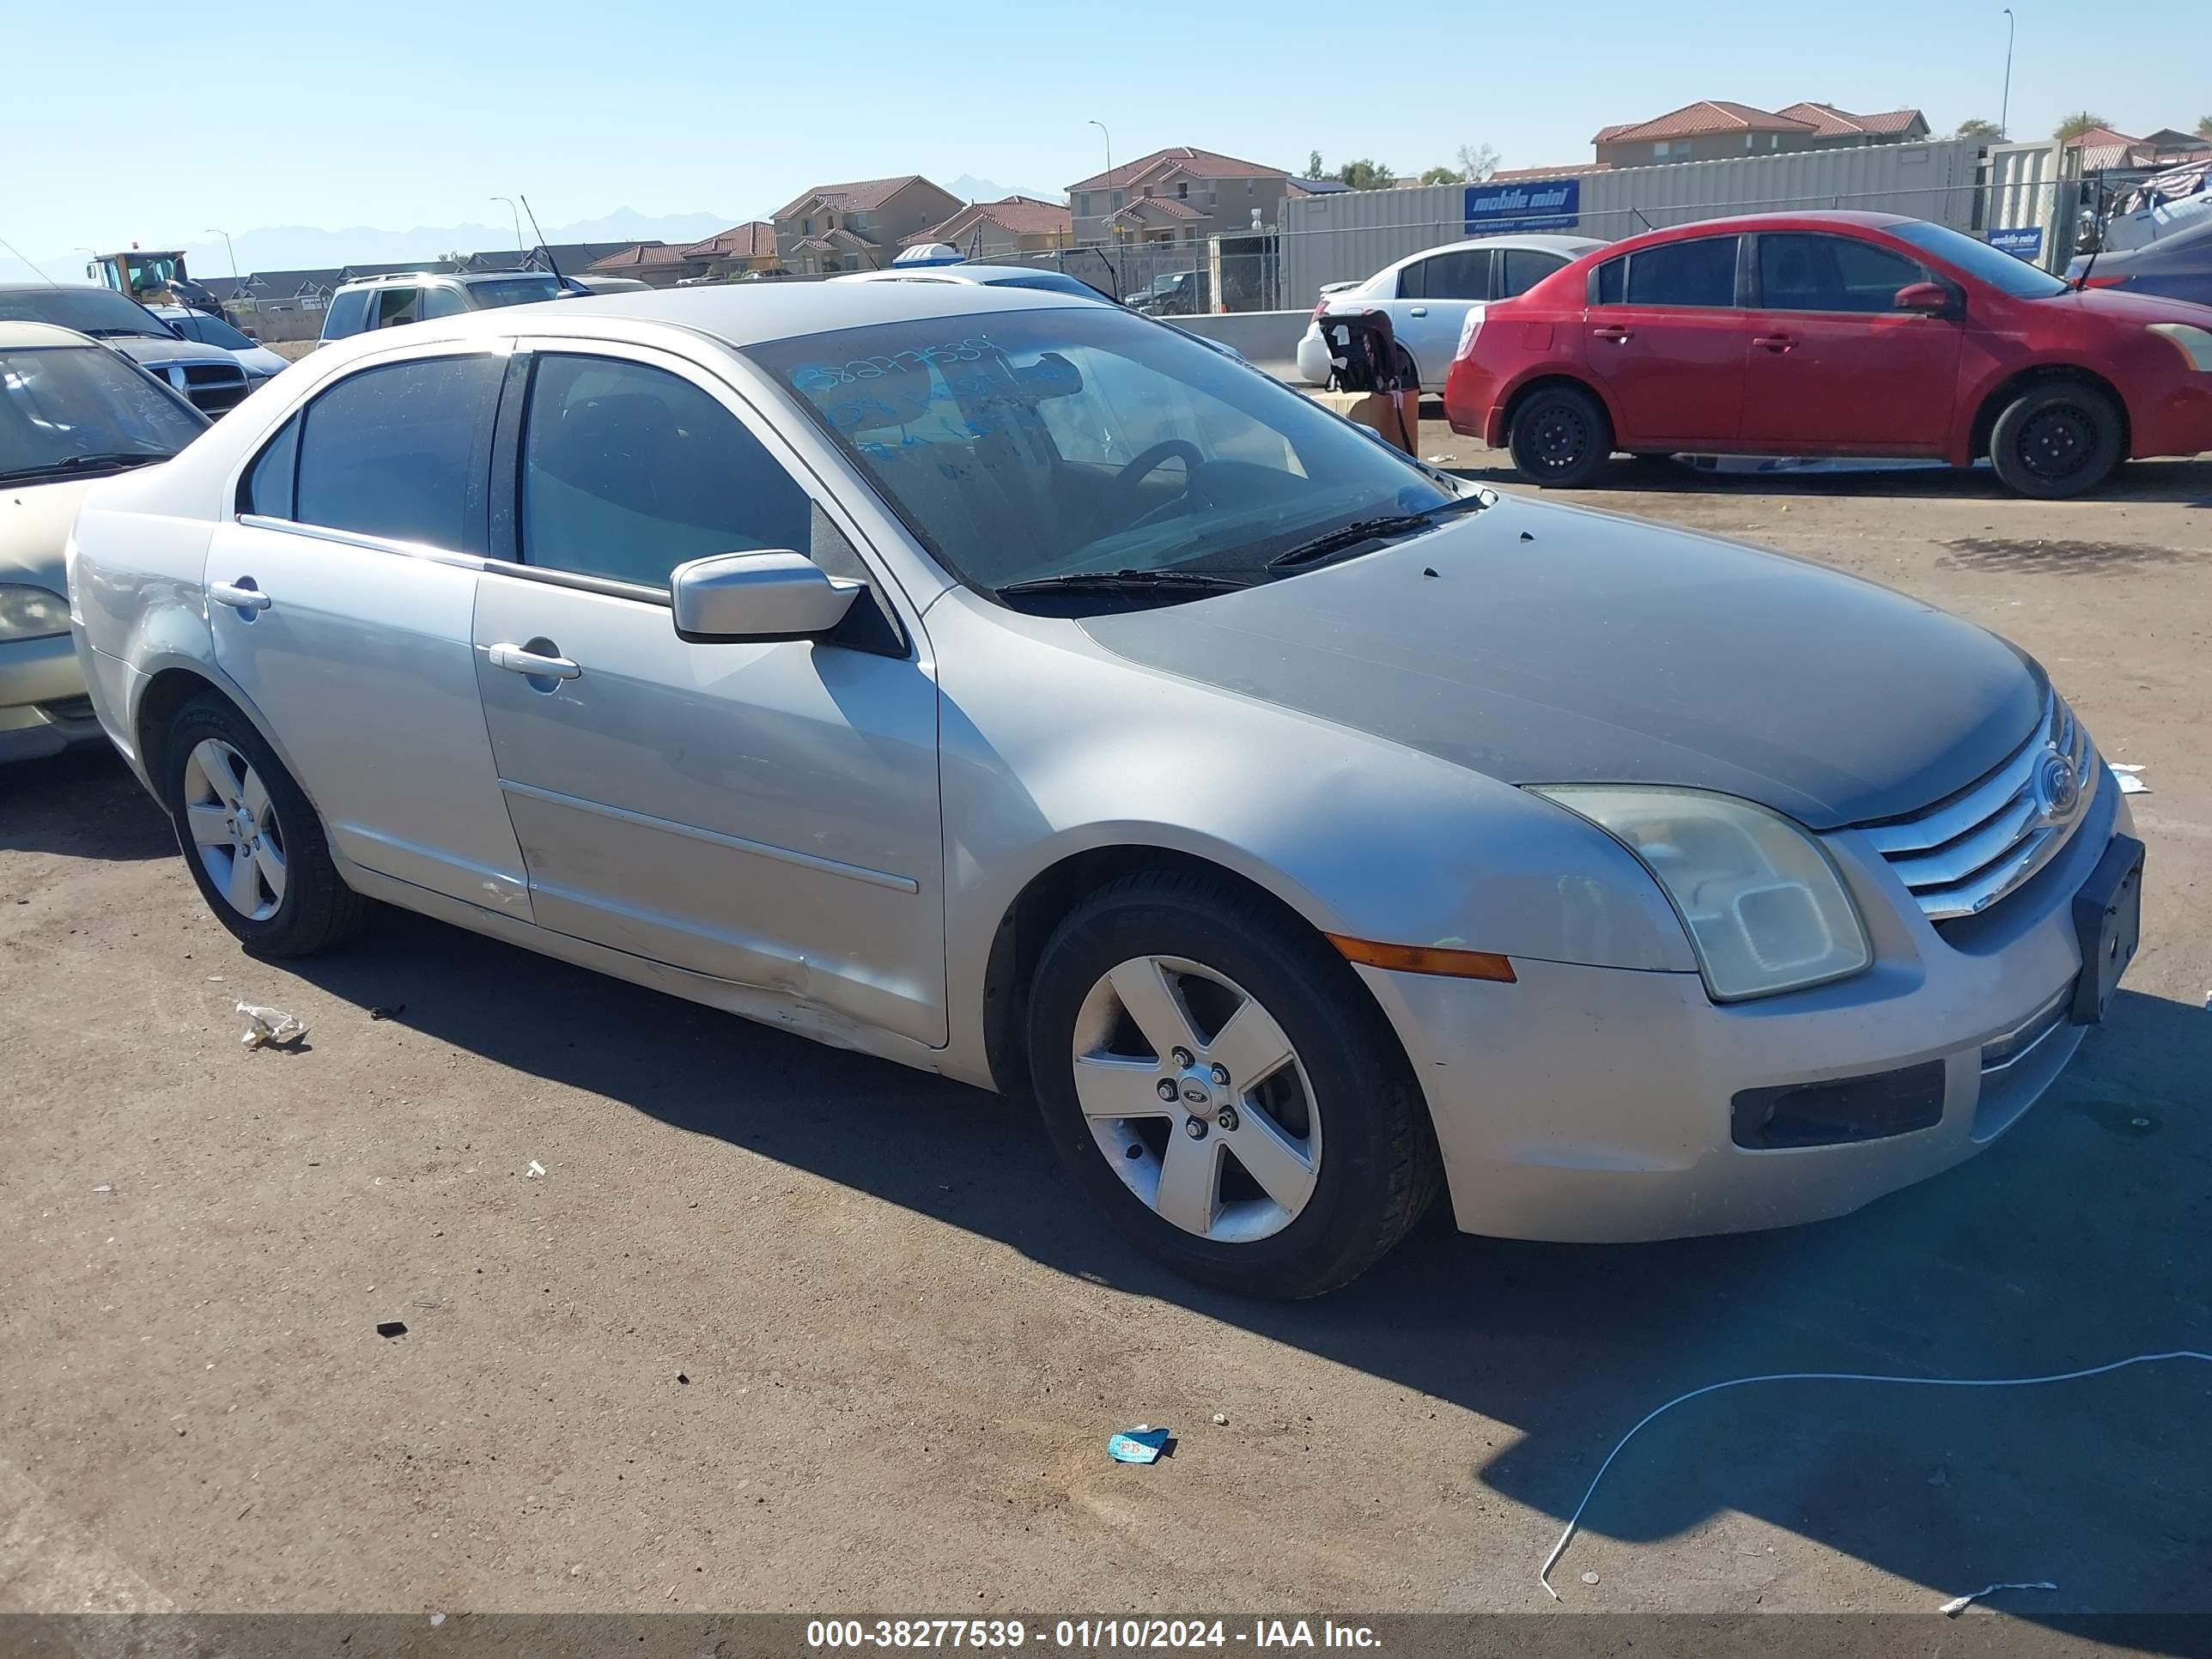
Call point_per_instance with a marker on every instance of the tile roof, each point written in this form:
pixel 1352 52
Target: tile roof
pixel 857 196
pixel 1199 163
pixel 1167 205
pixel 751 240
pixel 1508 176
pixel 1019 215
pixel 1708 115
pixel 644 254
pixel 1829 122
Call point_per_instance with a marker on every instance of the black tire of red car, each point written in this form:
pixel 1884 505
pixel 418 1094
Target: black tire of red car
pixel 318 910
pixel 1379 1169
pixel 1561 438
pixel 2060 438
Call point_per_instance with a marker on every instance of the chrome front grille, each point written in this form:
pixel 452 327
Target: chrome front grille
pixel 1966 852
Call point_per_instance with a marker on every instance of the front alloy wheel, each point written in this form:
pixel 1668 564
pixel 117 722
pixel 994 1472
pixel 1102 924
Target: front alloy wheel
pixel 1222 1085
pixel 1196 1098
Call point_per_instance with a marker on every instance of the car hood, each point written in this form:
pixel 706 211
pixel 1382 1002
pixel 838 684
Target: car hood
pixel 260 360
pixel 34 528
pixel 1540 644
pixel 2122 304
pixel 145 349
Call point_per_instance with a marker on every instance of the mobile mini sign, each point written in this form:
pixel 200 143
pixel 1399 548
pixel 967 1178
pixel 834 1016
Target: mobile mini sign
pixel 1542 204
pixel 2025 242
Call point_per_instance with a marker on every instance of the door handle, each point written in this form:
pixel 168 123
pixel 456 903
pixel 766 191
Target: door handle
pixel 1774 343
pixel 516 660
pixel 1614 333
pixel 1420 311
pixel 240 595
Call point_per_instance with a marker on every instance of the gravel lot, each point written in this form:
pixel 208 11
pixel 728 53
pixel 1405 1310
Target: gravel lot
pixel 783 1329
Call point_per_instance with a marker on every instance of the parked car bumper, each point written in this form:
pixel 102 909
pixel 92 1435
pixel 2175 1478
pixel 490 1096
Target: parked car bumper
pixel 1593 1104
pixel 43 706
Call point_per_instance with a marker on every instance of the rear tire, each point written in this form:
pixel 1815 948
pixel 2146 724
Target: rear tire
pixel 2060 438
pixel 1314 1159
pixel 1561 437
pixel 255 847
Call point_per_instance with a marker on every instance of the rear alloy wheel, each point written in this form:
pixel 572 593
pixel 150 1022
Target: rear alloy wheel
pixel 1561 438
pixel 254 846
pixel 1218 1080
pixel 2056 440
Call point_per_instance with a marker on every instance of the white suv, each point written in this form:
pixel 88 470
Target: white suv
pixel 414 296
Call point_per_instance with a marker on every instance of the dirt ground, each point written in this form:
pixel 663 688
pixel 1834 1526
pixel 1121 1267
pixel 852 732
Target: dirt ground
pixel 783 1329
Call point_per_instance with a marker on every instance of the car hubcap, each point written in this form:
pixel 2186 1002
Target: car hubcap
pixel 1560 439
pixel 234 829
pixel 1197 1099
pixel 2057 442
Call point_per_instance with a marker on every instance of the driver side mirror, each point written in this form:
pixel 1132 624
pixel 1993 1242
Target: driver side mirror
pixel 733 597
pixel 1927 298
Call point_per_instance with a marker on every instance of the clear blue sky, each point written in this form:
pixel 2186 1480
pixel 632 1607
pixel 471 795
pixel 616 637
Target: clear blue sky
pixel 315 114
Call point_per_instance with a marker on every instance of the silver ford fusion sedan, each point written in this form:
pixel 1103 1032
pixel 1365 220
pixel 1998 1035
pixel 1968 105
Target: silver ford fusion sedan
pixel 1012 688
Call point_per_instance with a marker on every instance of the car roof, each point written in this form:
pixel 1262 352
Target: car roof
pixel 1571 247
pixel 1736 224
pixel 753 313
pixel 66 288
pixel 15 336
pixel 384 278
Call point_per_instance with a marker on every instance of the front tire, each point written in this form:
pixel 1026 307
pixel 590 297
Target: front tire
pixel 1561 437
pixel 1217 1081
pixel 2058 440
pixel 254 846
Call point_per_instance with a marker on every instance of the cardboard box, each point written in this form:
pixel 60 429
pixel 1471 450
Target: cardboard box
pixel 1394 417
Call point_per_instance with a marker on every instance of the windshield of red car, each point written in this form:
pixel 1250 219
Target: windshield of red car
pixel 1980 261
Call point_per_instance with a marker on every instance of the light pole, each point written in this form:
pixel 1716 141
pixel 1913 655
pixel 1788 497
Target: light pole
pixel 2004 111
pixel 517 217
pixel 1108 137
pixel 226 248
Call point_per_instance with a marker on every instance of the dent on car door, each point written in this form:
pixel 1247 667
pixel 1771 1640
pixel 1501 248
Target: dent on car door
pixel 1667 335
pixel 765 812
pixel 340 600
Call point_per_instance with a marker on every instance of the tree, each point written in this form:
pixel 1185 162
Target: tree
pixel 1978 128
pixel 1441 176
pixel 1314 168
pixel 2075 124
pixel 2204 126
pixel 1476 163
pixel 1365 174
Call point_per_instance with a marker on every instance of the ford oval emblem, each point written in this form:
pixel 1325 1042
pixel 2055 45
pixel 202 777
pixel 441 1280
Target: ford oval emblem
pixel 2057 786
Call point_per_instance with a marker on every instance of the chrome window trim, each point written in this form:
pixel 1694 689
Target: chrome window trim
pixel 602 585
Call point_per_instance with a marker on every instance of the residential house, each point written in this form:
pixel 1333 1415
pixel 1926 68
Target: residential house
pixel 857 226
pixel 657 264
pixel 289 290
pixel 1176 195
pixel 2101 148
pixel 734 252
pixel 1004 229
pixel 1717 130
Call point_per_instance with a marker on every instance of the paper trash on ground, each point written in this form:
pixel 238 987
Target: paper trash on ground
pixel 264 1025
pixel 1142 1444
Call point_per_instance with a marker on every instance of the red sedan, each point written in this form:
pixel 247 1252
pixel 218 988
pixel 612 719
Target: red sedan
pixel 1832 334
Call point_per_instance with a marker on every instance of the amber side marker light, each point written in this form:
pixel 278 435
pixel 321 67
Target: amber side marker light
pixel 1425 959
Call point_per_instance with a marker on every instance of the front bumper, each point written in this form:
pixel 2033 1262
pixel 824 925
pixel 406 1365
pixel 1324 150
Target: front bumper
pixel 43 707
pixel 1593 1104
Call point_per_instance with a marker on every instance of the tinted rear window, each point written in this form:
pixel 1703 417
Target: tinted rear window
pixel 391 452
pixel 1700 273
pixel 347 313
pixel 1524 268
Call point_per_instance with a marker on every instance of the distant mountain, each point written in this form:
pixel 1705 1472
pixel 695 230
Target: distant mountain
pixel 303 247
pixel 969 188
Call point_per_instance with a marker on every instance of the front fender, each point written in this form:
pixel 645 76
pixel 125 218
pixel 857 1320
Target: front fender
pixel 1358 834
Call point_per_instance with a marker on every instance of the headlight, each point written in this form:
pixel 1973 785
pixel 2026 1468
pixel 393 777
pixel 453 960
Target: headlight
pixel 2191 342
pixel 31 613
pixel 1765 909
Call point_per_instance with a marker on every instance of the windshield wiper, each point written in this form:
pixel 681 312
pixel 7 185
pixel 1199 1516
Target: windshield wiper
pixel 1126 582
pixel 79 463
pixel 1368 530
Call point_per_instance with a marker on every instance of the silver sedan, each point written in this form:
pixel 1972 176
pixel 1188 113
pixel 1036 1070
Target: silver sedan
pixel 1013 689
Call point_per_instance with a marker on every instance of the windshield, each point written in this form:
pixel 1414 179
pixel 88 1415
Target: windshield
pixel 514 290
pixel 1980 261
pixel 213 330
pixel 99 311
pixel 71 407
pixel 1026 445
